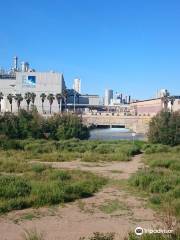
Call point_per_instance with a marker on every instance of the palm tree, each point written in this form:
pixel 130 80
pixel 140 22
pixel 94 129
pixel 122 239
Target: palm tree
pixel 172 99
pixel 50 98
pixel 43 97
pixel 10 99
pixel 18 97
pixel 1 98
pixel 59 98
pixel 65 96
pixel 33 97
pixel 165 100
pixel 28 98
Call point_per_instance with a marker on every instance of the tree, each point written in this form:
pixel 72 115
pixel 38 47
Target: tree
pixel 10 99
pixel 33 97
pixel 1 98
pixel 50 98
pixel 43 97
pixel 18 97
pixel 59 98
pixel 165 128
pixel 71 126
pixel 28 98
pixel 65 96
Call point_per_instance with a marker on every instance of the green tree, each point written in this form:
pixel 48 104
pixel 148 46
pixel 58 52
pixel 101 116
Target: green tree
pixel 18 97
pixel 165 128
pixel 71 127
pixel 43 98
pixel 1 98
pixel 10 99
pixel 28 98
pixel 59 98
pixel 50 98
pixel 9 125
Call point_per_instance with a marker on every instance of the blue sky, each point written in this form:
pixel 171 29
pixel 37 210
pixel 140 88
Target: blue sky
pixel 130 46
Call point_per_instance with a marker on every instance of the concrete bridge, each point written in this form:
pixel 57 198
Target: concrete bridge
pixel 138 124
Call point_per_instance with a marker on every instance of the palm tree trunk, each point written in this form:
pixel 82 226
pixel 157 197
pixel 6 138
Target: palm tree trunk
pixel 11 107
pixel 60 105
pixel 50 108
pixel 42 107
pixel 0 106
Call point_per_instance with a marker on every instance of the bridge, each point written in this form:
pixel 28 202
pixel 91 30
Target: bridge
pixel 138 124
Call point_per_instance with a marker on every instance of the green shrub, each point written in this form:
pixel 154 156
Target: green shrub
pixel 134 150
pixel 165 128
pixel 155 199
pixel 155 148
pixel 100 236
pixel 30 124
pixel 146 236
pixel 160 186
pixel 13 186
pixel 61 175
pixel 38 168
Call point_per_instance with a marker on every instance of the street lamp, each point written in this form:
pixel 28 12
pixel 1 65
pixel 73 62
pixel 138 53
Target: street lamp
pixel 74 101
pixel 133 136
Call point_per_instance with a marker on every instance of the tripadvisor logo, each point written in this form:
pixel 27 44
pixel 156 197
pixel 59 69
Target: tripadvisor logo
pixel 139 231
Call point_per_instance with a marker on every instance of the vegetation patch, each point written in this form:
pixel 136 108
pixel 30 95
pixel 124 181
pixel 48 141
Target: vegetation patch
pixel 42 186
pixel 111 206
pixel 161 179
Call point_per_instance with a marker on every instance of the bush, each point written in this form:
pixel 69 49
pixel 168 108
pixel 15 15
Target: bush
pixel 174 236
pixel 71 127
pixel 165 128
pixel 155 148
pixel 30 124
pixel 13 186
pixel 38 168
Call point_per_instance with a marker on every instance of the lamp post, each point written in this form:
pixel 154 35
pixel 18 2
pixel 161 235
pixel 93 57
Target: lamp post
pixel 74 101
pixel 133 136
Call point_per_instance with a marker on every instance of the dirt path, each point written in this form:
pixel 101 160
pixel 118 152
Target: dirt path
pixel 110 210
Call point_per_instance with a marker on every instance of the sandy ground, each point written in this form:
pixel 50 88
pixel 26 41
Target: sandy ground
pixel 83 217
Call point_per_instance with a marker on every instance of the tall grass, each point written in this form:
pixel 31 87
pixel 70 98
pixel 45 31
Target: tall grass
pixel 46 186
pixel 161 180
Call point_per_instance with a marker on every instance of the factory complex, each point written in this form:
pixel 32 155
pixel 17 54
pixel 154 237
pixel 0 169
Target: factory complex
pixel 26 80
pixel 19 81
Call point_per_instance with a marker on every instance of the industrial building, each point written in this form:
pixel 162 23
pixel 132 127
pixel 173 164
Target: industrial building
pixel 20 80
pixel 150 107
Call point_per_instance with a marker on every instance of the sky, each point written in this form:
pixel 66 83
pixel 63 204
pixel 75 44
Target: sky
pixel 130 46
